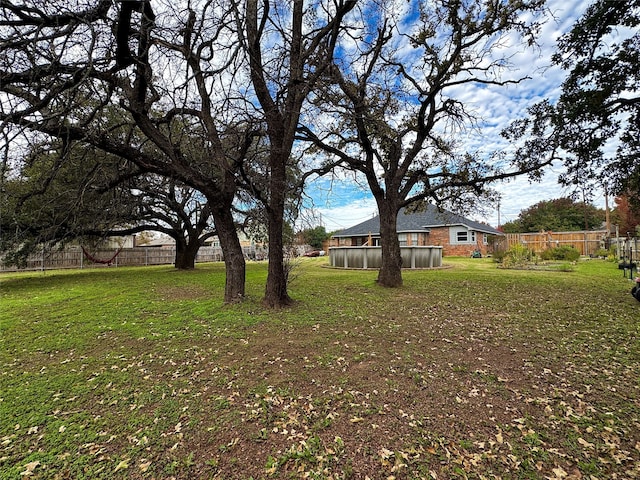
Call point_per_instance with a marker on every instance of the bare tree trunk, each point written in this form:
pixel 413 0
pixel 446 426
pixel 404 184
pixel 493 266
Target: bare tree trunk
pixel 390 274
pixel 307 54
pixel 276 294
pixel 232 250
pixel 186 252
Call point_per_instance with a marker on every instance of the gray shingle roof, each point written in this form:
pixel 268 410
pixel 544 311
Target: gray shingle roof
pixel 431 217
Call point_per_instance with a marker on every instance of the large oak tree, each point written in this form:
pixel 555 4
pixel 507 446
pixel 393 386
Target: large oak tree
pixel 394 107
pixel 162 92
pixel 289 45
pixel 173 209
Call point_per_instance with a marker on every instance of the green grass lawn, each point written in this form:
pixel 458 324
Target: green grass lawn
pixel 464 372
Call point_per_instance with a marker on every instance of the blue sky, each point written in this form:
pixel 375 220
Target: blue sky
pixel 340 203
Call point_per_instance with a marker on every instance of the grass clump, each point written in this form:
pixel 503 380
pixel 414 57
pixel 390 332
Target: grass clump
pixel 516 256
pixel 567 253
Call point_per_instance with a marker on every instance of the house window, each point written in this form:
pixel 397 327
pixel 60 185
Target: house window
pixel 414 239
pixel 485 239
pixel 465 236
pixel 402 239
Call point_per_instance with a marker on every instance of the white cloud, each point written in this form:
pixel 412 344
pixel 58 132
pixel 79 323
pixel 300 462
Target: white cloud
pixel 339 218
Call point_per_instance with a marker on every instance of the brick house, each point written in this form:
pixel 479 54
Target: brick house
pixel 458 236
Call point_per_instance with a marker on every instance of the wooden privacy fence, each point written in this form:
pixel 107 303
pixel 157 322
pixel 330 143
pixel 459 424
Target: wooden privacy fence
pixel 586 242
pixel 141 256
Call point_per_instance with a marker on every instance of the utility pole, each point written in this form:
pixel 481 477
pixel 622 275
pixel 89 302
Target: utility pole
pixel 607 213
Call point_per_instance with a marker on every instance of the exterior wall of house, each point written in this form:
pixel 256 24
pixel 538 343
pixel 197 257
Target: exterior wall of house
pixel 414 239
pixel 128 241
pixel 440 236
pixel 348 241
pixel 466 250
pixel 447 236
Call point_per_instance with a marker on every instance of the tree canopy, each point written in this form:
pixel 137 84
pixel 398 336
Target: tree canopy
pixel 593 128
pixel 559 215
pixel 393 105
pixel 50 199
pixel 315 236
pixel 626 216
pixel 54 197
pixel 177 211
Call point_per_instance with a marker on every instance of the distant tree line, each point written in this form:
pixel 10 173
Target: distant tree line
pixel 568 215
pixel 559 215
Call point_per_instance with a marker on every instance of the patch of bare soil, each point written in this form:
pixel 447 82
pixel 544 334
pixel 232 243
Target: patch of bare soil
pixel 422 396
pixel 427 392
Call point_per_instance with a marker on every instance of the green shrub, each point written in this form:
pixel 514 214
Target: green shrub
pixel 566 252
pixel 601 253
pixel 547 254
pixel 517 256
pixel 565 267
pixel 498 255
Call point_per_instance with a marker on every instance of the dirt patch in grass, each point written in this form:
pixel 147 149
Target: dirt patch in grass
pixel 407 400
pixel 340 408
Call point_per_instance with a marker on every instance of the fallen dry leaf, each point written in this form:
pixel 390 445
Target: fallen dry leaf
pixel 29 468
pixel 559 472
pixel 584 443
pixel 123 465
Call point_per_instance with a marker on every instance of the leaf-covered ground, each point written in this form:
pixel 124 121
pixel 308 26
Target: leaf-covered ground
pixel 465 372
